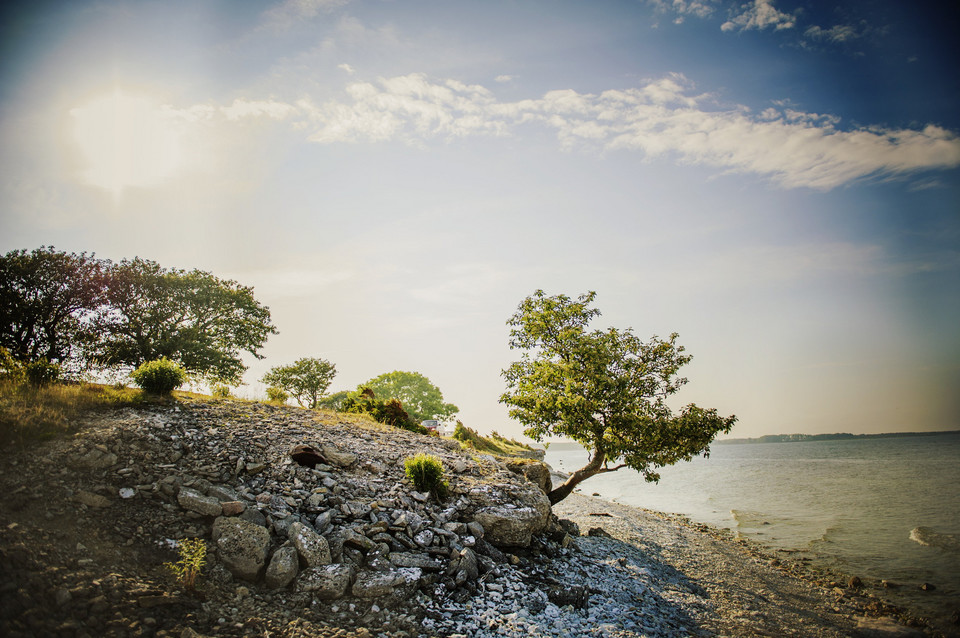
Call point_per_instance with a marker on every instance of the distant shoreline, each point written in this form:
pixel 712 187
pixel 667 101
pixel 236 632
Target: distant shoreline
pixel 789 438
pixel 839 436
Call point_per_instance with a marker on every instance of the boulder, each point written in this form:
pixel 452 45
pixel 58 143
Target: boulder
pixel 311 547
pixel 242 546
pixel 335 457
pixel 385 583
pixel 536 472
pixel 326 582
pixel 513 520
pixel 196 502
pixel 283 567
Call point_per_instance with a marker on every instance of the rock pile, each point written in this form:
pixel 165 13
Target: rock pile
pixel 303 504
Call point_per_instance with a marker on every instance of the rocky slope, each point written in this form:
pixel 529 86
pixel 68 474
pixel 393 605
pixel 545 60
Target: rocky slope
pixel 88 523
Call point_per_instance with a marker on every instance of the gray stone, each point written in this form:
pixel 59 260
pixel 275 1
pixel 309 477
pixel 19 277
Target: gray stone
pixel 326 582
pixel 97 459
pixel 92 500
pixel 377 584
pixel 222 493
pixel 410 559
pixel 242 546
pixel 340 459
pixel 255 516
pixel 311 547
pixel 283 567
pixel 194 501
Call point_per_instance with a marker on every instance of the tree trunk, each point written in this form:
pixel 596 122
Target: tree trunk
pixel 593 467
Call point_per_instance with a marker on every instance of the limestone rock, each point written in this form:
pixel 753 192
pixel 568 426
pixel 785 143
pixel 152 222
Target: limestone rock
pixel 283 567
pixel 196 502
pixel 536 472
pixel 514 522
pixel 326 582
pixel 91 499
pixel 335 457
pixel 377 584
pixel 312 547
pixel 242 546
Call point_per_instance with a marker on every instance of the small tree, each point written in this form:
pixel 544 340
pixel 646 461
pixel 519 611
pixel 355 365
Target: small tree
pixel 306 379
pixel 605 389
pixel 420 398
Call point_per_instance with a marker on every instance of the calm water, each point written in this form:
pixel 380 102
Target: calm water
pixel 875 508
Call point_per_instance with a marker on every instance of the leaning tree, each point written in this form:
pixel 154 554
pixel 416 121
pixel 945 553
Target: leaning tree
pixel 605 389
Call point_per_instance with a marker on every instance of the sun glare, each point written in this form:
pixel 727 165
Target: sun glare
pixel 126 141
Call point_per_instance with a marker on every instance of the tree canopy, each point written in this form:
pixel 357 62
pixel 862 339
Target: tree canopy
pixel 194 318
pixel 420 398
pixel 47 300
pixel 605 389
pixel 77 310
pixel 306 380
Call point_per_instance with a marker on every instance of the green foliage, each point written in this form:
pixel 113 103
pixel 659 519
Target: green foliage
pixel 41 373
pixel 276 395
pixel 11 370
pixel 194 318
pixel 420 398
pixel 390 412
pixel 159 377
pixel 81 312
pixel 306 379
pixel 47 301
pixel 334 401
pixel 494 444
pixel 220 391
pixel 426 472
pixel 193 553
pixel 605 389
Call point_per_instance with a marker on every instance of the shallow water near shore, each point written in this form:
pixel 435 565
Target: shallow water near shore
pixel 881 509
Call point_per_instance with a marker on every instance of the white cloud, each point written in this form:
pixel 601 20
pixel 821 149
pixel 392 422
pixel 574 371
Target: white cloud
pixel 347 68
pixel 835 34
pixel 759 14
pixel 696 8
pixel 664 118
pixel 503 78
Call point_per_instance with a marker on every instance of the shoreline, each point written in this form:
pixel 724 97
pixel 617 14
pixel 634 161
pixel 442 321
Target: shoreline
pixel 754 590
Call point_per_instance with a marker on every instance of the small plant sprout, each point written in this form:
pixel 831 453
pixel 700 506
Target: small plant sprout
pixel 193 552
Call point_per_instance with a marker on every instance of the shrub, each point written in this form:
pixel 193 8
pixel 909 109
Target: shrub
pixel 159 377
pixel 388 412
pixel 10 369
pixel 192 555
pixel 41 373
pixel 426 472
pixel 220 391
pixel 277 395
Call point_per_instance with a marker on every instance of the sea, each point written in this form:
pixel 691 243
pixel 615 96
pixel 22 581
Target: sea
pixel 876 508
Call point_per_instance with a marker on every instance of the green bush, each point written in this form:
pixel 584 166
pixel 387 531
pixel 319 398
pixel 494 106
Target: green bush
pixel 220 391
pixel 159 377
pixel 276 395
pixel 388 412
pixel 10 368
pixel 426 472
pixel 41 373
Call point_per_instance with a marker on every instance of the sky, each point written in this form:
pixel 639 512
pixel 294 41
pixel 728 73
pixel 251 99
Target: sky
pixel 778 181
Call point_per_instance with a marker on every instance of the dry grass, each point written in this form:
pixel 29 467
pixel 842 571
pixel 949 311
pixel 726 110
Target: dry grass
pixel 29 414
